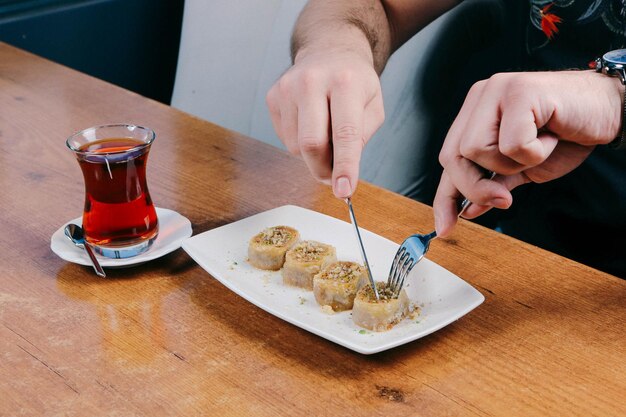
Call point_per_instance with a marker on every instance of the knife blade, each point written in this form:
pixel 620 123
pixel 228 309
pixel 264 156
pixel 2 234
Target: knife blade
pixel 361 247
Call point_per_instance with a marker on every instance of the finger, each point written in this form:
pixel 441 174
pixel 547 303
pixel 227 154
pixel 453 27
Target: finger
pixel 289 126
pixel 455 165
pixel 445 206
pixel 446 201
pixel 470 180
pixel 566 157
pixel 374 116
pixel 479 130
pixel 472 138
pixel 520 139
pixel 313 138
pixel 347 121
pixel 508 181
pixel 272 101
pixel 480 138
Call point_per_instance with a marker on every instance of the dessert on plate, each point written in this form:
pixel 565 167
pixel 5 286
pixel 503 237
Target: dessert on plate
pixel 337 284
pixel 383 314
pixel 267 249
pixel 305 260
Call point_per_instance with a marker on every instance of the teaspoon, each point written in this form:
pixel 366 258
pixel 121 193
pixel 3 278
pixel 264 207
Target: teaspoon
pixel 75 233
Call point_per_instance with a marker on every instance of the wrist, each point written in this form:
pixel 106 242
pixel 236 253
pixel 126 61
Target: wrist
pixel 619 143
pixel 349 41
pixel 613 64
pixel 615 97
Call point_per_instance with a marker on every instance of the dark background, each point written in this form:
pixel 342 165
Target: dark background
pixel 131 43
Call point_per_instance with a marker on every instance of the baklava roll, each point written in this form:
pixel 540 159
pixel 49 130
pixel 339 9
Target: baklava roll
pixel 383 314
pixel 304 261
pixel 337 284
pixel 267 249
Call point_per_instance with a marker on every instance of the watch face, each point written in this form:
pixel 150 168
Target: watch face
pixel 616 57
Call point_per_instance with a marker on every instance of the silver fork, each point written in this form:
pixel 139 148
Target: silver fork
pixel 412 251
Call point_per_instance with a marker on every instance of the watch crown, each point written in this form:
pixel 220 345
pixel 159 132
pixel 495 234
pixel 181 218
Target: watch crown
pixel 596 64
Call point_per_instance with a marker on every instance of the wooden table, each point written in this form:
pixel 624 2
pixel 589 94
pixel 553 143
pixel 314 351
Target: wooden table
pixel 166 339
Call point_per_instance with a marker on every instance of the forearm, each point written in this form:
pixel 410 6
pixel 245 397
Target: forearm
pixel 407 17
pixel 359 26
pixel 371 28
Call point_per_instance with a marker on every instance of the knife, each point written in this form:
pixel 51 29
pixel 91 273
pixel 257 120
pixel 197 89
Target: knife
pixel 362 248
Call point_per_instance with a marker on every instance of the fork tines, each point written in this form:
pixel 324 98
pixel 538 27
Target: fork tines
pixel 400 268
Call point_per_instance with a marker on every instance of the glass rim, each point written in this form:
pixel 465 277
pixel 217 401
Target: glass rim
pixel 151 137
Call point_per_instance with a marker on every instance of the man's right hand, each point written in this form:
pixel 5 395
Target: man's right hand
pixel 325 108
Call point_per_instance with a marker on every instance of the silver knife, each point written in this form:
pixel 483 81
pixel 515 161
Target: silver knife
pixel 363 255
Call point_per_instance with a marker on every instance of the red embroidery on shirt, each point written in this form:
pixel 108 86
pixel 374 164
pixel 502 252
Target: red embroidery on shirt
pixel 549 22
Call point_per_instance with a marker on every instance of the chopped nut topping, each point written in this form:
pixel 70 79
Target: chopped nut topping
pixel 275 236
pixel 309 251
pixel 384 292
pixel 342 271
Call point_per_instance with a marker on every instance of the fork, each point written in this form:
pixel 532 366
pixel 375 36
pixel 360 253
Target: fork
pixel 412 251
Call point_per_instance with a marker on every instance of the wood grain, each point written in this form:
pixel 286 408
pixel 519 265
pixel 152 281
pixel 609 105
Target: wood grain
pixel 165 339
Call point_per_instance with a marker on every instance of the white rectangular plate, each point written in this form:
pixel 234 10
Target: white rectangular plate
pixel 222 252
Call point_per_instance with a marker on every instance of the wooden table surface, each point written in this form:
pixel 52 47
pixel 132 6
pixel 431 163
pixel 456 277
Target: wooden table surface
pixel 166 339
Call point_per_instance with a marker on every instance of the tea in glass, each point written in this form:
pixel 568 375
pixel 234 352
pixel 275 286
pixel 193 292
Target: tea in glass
pixel 119 218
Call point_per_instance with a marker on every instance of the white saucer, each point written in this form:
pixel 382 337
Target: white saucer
pixel 173 230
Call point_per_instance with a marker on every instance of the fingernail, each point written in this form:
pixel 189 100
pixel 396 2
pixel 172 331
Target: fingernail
pixel 500 202
pixel 342 187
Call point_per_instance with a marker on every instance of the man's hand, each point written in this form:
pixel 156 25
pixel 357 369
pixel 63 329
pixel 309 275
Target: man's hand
pixel 526 127
pixel 329 104
pixel 325 108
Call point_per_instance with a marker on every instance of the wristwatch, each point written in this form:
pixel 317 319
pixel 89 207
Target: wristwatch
pixel 613 63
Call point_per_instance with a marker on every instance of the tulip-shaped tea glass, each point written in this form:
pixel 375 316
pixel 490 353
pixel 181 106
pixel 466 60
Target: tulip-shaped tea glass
pixel 119 218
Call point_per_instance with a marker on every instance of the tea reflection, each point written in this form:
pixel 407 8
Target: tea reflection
pixel 129 310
